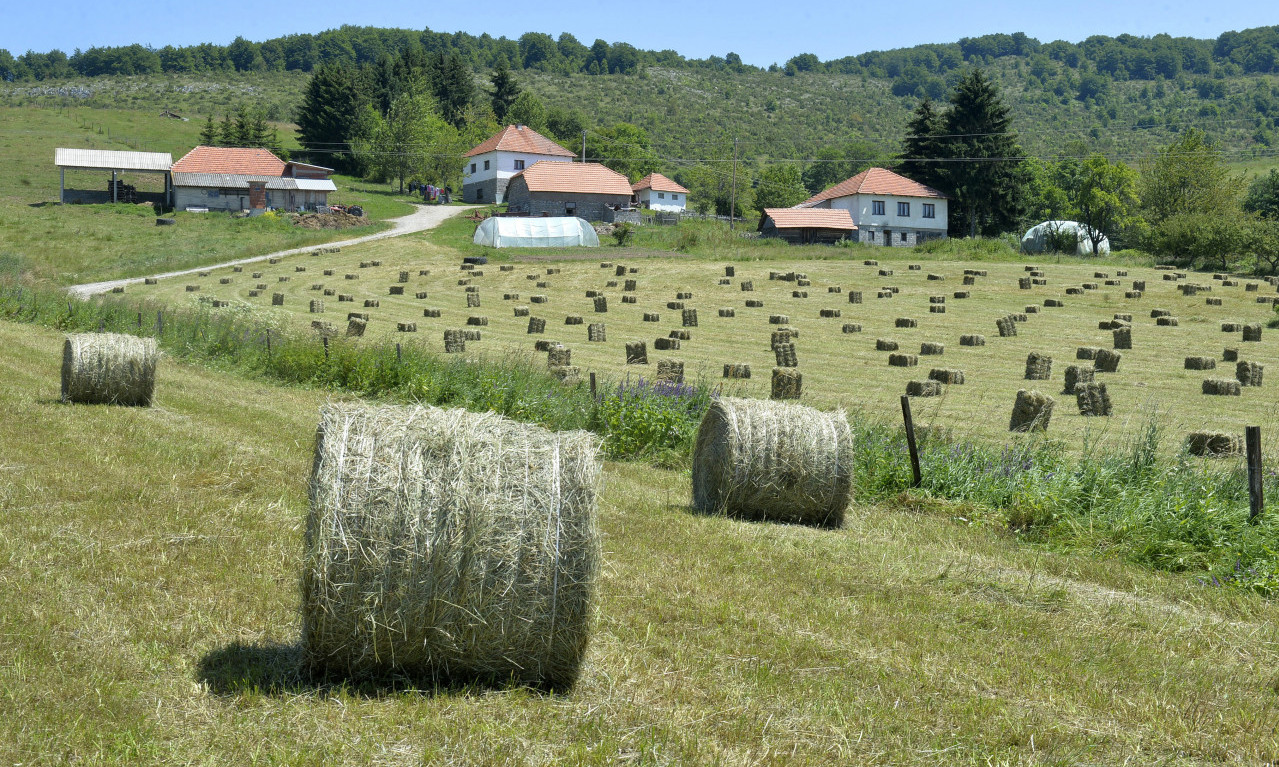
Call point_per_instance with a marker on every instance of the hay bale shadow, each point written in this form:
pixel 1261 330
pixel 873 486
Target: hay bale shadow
pixel 276 668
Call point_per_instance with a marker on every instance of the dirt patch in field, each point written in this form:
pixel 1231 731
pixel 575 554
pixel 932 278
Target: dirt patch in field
pixel 330 221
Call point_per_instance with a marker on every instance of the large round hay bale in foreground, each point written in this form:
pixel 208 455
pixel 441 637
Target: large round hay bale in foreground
pixel 763 460
pixel 109 369
pixel 449 546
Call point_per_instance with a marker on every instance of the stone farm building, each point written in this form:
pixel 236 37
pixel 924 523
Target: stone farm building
pixel 807 226
pixel 490 166
pixel 658 192
pixel 586 190
pixel 228 178
pixel 888 209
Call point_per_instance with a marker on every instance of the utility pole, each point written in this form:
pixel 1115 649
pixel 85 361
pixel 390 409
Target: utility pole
pixel 732 200
pixel 583 146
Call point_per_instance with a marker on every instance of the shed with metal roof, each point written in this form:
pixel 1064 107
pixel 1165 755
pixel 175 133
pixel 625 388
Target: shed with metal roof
pixel 116 161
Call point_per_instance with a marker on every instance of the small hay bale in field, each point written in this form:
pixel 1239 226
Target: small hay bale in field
pixel 675 306
pixel 1139 286
pixel 630 286
pixel 595 332
pixel 1031 412
pixel 754 304
pixel 914 267
pixel 257 275
pixel 1222 387
pixel 1123 337
pixel 351 276
pixel 355 327
pixel 923 388
pixel 227 281
pixel 372 303
pixel 601 304
pixel 885 345
pixel 670 371
pixel 538 285
pixel 283 279
pixel 545 344
pixel 606 264
pixel 1107 361
pixel 851 327
pixel 237 269
pixel 969 279
pixel 431 313
pixel 1039 367
pixel 972 339
pixel 834 289
pixel 903 360
pixel 884 294
pixel 573 319
pixel 1092 399
pixel 1249 373
pixel 828 313
pixel 1086 352
pixel 150 281
pixel 193 288
pixel 317 286
pixel 1032 309
pixel 799 294
pixel 961 294
pixel 476 321
pixel 652 317
pixel 946 376
pixel 299 268
pixel 870 262
pixel 254 293
pixel 1078 374
pixel 1231 327
pixel 1252 332
pixel 773 461
pixel 117 289
pixel 636 353
pixel 1007 326
pixel 449 546
pixel 277 299
pixel 1157 313
pixel 931 348
pixel 937 277
pixel 665 344
pixel 1212 301
pixel 689 317
pixel 778 319
pixel 683 296
pixel 785 354
pixel 406 327
pixel 905 322
pixel 205 274
pixel 737 370
pixel 536 325
pixel 273 260
pixel 885 272
pixel 788 383
pixel 1201 363
pixel 1054 303
pixel 1170 322
pixel 1132 294
pixel 620 271
pixel 681 335
pixel 727 312
pixel 782 336
pixel 317 306
pixel 1214 444
pixel 559 356
pixel 454 341
pixel 502 268
pixel 854 296
pixel 1229 355
pixel 630 299
pixel 1023 283
pixel 537 299
pixel 472 300
pixel 323 328
pixel 1250 287
pixel 1018 317
pixel 505 296
pixel 936 308
pixel 1074 291
pixel 109 369
pixel 730 271
pixel 748 286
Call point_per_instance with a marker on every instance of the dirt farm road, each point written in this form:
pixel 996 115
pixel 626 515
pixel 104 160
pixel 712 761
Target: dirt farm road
pixel 425 217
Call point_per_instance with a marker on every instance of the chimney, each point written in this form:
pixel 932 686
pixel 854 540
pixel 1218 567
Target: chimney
pixel 519 127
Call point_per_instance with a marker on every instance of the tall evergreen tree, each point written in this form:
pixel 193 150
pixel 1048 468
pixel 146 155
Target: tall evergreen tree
pixel 331 108
pixel 454 87
pixel 209 133
pixel 985 175
pixel 923 143
pixel 226 134
pixel 505 89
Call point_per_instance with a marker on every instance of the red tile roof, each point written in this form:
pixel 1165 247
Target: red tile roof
pixel 520 138
pixel 875 181
pixel 811 218
pixel 658 183
pixel 231 160
pixel 574 177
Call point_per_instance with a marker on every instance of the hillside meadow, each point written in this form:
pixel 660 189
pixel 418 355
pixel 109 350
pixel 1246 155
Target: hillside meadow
pixel 840 369
pixel 158 558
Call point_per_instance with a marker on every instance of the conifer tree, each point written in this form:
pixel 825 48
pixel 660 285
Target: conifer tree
pixel 209 133
pixel 985 174
pixel 505 89
pixel 923 144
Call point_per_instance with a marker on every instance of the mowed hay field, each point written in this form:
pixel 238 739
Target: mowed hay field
pixel 839 369
pixel 152 559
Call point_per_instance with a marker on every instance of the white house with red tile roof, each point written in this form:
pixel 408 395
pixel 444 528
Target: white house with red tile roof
pixel 490 166
pixel 887 208
pixel 658 192
pixel 586 190
pixel 233 178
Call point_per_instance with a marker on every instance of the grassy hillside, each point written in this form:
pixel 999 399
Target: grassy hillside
pixel 158 557
pixel 79 243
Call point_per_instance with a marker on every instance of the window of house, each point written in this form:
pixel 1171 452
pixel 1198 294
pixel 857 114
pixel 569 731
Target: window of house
pixel 570 209
pixel 674 196
pixel 661 195
pixel 903 209
pixel 472 167
pixel 486 165
pixel 519 165
pixel 930 210
pixel 479 193
pixel 903 237
pixel 876 208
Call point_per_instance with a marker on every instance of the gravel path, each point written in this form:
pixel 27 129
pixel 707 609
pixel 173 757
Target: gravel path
pixel 425 217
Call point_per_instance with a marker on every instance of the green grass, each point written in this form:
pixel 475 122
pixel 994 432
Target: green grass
pixel 157 559
pixel 81 243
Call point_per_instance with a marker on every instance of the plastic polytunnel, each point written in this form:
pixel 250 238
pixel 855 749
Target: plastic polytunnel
pixel 1040 238
pixel 560 232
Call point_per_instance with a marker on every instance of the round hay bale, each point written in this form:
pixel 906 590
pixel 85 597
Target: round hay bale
pixel 777 461
pixel 449 545
pixel 109 369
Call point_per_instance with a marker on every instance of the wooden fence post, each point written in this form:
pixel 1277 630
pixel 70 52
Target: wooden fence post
pixel 1256 501
pixel 399 354
pixel 916 478
pixel 326 348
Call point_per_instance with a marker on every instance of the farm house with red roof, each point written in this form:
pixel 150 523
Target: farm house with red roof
pixel 233 178
pixel 888 209
pixel 490 166
pixel 658 192
pixel 586 190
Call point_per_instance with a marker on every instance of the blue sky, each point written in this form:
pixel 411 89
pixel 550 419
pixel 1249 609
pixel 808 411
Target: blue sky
pixel 761 32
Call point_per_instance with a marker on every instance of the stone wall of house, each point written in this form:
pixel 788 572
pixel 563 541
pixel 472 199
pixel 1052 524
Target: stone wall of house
pixel 592 207
pixel 487 192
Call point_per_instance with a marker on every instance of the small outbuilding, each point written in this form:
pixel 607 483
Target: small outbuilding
pixel 1070 236
pixel 118 163
pixel 581 189
pixel 808 226
pixel 551 232
pixel 234 178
